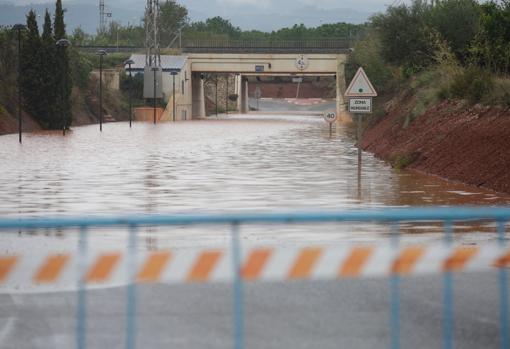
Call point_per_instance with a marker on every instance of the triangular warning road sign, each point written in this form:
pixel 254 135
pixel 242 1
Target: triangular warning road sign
pixel 360 86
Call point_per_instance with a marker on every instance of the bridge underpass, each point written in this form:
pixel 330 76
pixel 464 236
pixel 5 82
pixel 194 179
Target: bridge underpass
pixel 186 97
pixel 244 65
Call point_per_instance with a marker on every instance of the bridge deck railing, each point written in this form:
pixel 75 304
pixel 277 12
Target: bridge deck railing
pixel 319 45
pixel 394 217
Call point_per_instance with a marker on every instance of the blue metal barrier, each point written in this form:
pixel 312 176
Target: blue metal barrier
pixel 448 215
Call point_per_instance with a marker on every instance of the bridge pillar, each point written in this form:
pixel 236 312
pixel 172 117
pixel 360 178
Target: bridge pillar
pixel 340 89
pixel 238 91
pixel 245 102
pixel 198 96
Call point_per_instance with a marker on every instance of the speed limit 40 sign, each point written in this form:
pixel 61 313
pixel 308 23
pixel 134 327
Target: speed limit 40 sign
pixel 330 117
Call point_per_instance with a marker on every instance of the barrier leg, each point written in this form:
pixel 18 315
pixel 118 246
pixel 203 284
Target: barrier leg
pixel 448 295
pixel 81 325
pixel 131 290
pixel 503 293
pixel 238 289
pixel 395 295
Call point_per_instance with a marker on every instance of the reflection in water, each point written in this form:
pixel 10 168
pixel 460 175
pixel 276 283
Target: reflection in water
pixel 254 163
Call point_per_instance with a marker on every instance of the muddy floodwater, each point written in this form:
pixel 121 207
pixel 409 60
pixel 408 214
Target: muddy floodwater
pixel 257 163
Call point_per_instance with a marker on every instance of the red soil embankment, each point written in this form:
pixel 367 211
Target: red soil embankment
pixel 469 144
pixel 9 123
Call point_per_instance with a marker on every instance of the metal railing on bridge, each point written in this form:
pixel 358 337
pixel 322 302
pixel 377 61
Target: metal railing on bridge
pixel 267 46
pixel 341 45
pixel 242 264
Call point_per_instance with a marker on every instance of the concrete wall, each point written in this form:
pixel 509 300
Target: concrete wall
pixel 111 78
pixel 269 63
pixel 183 95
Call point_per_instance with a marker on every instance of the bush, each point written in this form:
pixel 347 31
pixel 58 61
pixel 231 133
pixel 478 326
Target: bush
pixel 81 67
pixel 367 54
pixel 137 85
pixel 402 161
pixel 112 60
pixel 473 84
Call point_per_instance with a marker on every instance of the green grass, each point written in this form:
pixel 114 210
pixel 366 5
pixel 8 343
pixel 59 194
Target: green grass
pixel 403 161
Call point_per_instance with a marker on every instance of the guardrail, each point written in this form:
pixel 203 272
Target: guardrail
pixel 246 265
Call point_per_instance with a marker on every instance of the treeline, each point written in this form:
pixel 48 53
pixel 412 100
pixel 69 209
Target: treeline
pixel 174 20
pixel 461 47
pixel 48 72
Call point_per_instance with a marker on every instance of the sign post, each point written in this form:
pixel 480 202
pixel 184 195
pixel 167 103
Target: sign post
pixel 360 93
pixel 330 118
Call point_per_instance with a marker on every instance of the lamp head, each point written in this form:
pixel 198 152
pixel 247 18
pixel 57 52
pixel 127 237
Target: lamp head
pixel 102 53
pixel 19 27
pixel 63 43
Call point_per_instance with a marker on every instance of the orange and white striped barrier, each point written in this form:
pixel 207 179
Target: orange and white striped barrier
pixel 257 264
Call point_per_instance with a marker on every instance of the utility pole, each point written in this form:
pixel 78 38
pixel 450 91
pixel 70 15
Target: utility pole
pixel 102 17
pixel 152 55
pixel 19 28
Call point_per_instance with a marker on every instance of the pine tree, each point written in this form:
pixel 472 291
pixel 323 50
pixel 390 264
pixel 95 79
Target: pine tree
pixel 62 64
pixel 31 67
pixel 60 27
pixel 50 85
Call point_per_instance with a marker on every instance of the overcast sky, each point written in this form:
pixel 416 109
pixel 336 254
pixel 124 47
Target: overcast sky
pixel 263 15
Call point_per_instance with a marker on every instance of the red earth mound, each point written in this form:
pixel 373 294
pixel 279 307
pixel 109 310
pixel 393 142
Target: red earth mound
pixel 469 144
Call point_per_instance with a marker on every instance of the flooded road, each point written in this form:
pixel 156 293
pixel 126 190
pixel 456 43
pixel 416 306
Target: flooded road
pixel 257 163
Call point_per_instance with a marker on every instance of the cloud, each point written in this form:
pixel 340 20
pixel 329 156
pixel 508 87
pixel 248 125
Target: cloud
pixel 255 3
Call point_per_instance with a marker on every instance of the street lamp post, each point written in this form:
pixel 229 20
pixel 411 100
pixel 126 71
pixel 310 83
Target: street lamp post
pixel 19 28
pixel 129 62
pixel 155 70
pixel 101 54
pixel 63 44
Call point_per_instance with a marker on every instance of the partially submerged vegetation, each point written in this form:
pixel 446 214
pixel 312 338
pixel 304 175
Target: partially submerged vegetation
pixel 446 49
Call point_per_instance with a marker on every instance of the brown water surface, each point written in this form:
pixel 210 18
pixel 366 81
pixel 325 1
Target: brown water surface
pixel 240 163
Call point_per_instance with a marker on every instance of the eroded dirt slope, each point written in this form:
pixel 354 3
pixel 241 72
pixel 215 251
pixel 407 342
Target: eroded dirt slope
pixel 470 144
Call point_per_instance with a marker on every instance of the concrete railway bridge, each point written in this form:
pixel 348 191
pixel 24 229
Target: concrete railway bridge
pixel 242 59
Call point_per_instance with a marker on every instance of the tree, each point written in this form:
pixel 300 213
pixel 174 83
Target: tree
pixel 60 27
pixel 8 71
pixel 63 73
pixel 79 37
pixel 173 17
pixel 491 48
pixel 406 37
pixel 457 21
pixel 49 94
pixel 31 81
pixel 215 27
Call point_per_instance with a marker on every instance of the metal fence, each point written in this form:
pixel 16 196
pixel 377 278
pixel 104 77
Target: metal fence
pixel 394 217
pixel 341 45
pixel 267 46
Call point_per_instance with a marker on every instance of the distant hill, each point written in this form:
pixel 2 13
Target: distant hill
pixel 249 15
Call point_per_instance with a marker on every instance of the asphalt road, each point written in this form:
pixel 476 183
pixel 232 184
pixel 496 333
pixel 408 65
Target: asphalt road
pixel 347 314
